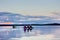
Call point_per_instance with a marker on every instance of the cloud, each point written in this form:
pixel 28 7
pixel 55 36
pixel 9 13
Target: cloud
pixel 55 15
pixel 34 19
pixel 18 18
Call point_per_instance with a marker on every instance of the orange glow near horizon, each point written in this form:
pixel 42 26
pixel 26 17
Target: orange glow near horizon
pixel 6 23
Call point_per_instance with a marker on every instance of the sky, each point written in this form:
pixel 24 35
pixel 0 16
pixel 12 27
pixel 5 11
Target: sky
pixel 30 7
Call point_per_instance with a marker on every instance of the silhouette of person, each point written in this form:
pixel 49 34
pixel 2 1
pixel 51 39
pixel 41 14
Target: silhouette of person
pixel 14 27
pixel 29 28
pixel 25 28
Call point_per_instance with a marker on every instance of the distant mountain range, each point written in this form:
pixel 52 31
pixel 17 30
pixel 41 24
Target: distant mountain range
pixel 24 19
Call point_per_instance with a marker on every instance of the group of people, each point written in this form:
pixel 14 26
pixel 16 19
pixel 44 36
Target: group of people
pixel 28 28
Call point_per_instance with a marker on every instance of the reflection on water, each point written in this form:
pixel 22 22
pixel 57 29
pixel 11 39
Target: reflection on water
pixel 7 33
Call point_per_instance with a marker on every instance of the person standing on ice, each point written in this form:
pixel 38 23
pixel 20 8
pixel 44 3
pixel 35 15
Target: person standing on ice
pixel 25 28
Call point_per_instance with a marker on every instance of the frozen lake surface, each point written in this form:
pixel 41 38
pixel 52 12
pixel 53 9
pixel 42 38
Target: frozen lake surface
pixel 42 32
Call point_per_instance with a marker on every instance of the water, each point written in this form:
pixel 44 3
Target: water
pixel 17 33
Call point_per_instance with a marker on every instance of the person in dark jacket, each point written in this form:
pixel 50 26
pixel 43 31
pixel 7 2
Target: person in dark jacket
pixel 29 28
pixel 25 28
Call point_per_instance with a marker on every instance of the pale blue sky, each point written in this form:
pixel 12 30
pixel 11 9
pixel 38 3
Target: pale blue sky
pixel 30 7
